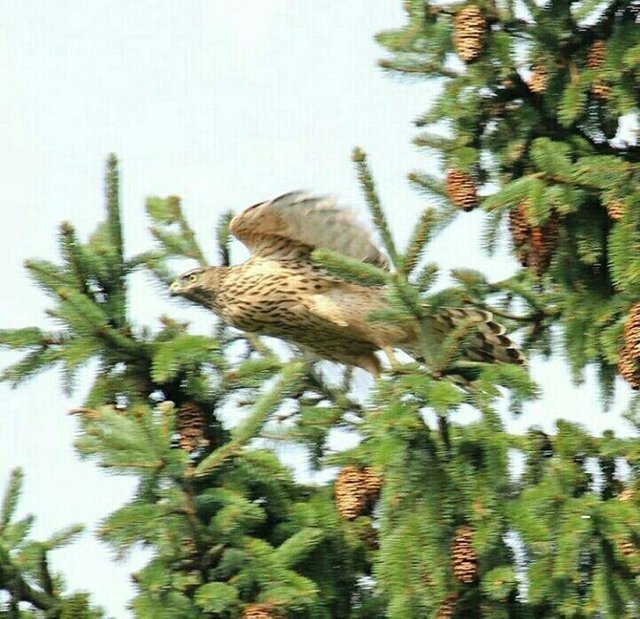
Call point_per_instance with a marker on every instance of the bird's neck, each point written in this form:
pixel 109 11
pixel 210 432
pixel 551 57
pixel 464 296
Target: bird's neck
pixel 214 277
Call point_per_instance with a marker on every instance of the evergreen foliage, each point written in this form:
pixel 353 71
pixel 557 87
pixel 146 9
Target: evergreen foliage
pixel 529 104
pixel 227 524
pixel 32 588
pixel 440 522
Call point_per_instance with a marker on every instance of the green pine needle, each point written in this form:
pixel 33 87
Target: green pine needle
pixel 373 202
pixel 11 498
pixel 419 240
pixel 352 270
pixel 266 404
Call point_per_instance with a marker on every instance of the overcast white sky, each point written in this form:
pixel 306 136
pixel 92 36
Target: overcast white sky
pixel 224 103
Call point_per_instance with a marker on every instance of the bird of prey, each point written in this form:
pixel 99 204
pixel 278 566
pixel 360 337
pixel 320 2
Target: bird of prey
pixel 279 291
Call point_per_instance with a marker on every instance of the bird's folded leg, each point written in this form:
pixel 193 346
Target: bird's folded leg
pixel 391 357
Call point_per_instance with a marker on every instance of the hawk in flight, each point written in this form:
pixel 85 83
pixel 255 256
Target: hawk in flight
pixel 279 291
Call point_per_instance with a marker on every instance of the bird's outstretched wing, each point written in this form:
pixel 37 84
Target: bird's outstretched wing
pixel 303 220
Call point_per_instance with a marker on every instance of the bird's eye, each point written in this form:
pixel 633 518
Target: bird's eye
pixel 193 277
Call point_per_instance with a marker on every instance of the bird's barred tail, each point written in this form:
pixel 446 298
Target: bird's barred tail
pixel 487 340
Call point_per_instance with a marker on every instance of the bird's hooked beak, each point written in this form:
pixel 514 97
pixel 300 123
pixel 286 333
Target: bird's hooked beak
pixel 174 288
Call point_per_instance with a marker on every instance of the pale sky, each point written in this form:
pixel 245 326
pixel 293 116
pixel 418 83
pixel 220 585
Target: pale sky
pixel 225 104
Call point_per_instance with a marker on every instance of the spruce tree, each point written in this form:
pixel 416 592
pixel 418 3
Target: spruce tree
pixel 425 517
pixel 31 587
pixel 230 531
pixel 527 126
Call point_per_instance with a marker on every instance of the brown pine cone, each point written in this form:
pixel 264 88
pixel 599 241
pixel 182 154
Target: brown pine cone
pixel 355 490
pixel 519 225
pixel 615 209
pixel 350 492
pixel 629 368
pixel 627 495
pixel 448 607
pixel 461 190
pixel 469 32
pixel 632 332
pixel 539 79
pixel 597 54
pixel 372 482
pixel 464 559
pixel 190 425
pixel 260 611
pixel 543 244
pixel 600 89
pixel 534 245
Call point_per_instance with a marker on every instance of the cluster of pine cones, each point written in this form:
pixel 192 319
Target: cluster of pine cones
pixel 596 57
pixel 533 245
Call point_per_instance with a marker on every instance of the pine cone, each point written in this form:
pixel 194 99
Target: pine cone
pixel 632 332
pixel 355 490
pixel 543 243
pixel 600 89
pixel 260 611
pixel 534 245
pixel 597 54
pixel 190 425
pixel 469 31
pixel 461 190
pixel 539 79
pixel 448 607
pixel 627 495
pixel 464 559
pixel 519 225
pixel 595 58
pixel 615 209
pixel 372 483
pixel 629 368
pixel 626 547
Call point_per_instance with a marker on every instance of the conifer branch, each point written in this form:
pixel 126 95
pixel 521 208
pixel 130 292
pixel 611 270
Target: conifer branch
pixel 418 68
pixel 373 202
pixel 45 575
pixel 265 405
pixel 166 213
pixel 114 223
pixel 349 268
pixel 12 580
pixel 223 237
pixel 338 397
pixel 133 464
pixel 419 240
pixel 71 253
pixel 189 235
pixel 533 317
pixel 112 192
pixel 443 426
pixel 11 497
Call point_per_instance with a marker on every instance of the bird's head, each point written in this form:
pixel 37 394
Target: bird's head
pixel 199 285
